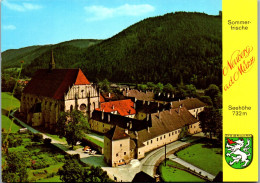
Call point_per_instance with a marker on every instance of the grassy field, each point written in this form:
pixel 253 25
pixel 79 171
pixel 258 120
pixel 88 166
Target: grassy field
pixel 170 174
pixel 52 179
pixel 97 142
pixel 9 102
pixel 208 159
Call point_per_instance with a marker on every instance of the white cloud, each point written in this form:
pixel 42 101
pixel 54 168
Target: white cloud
pixel 21 7
pixel 9 27
pixel 30 6
pixel 101 12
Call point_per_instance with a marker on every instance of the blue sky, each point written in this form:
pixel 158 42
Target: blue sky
pixel 38 22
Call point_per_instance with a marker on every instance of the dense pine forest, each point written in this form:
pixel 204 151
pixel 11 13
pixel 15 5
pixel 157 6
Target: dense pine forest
pixel 174 48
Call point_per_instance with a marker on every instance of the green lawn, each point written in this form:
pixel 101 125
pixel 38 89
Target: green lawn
pixel 205 158
pixel 42 173
pixel 52 179
pixel 9 102
pixel 97 142
pixel 6 123
pixel 170 174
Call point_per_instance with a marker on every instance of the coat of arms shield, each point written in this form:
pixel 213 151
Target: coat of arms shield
pixel 239 150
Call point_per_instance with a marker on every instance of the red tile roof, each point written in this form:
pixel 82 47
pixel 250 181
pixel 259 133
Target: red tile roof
pixel 55 83
pixel 81 79
pixel 123 107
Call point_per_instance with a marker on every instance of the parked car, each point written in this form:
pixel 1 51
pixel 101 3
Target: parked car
pixel 85 148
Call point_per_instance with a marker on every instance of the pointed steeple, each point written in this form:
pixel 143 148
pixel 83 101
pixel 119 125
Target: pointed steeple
pixel 52 63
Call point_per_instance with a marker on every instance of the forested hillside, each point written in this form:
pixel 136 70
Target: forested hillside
pixel 174 48
pixel 11 58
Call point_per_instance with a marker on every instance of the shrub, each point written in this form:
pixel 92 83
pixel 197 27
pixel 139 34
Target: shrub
pixel 37 137
pixel 47 141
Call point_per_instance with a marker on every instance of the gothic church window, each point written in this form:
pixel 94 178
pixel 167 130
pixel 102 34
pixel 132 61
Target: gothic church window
pixel 82 107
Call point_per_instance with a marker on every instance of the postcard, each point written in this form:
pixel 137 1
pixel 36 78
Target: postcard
pixel 129 91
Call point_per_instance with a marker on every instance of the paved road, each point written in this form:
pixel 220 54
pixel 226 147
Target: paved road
pixel 126 173
pixel 148 164
pixel 192 167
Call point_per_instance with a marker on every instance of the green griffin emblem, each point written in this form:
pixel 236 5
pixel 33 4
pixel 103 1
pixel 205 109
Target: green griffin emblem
pixel 239 150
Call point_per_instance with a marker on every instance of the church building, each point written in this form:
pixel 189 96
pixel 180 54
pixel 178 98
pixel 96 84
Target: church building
pixel 52 91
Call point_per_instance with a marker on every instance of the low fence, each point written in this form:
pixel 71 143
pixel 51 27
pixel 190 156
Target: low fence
pixel 93 145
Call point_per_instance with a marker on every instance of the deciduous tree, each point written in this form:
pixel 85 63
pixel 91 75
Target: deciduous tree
pixel 72 126
pixel 211 121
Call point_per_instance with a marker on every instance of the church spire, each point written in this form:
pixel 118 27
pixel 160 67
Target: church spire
pixel 52 63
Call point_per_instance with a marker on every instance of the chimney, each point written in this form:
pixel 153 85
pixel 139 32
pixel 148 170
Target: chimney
pixel 126 131
pixel 179 110
pixel 171 104
pixel 108 117
pixel 113 107
pixel 159 94
pixel 130 125
pixel 148 102
pixel 135 99
pixel 109 95
pixel 143 102
pixel 102 114
pixel 168 95
pixel 158 104
pixel 172 95
pixel 158 114
pixel 148 129
pixel 179 100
